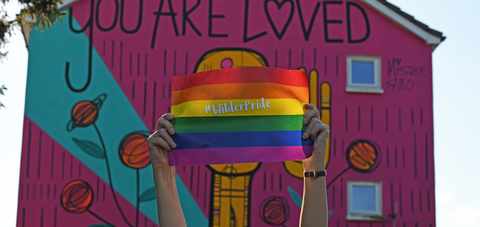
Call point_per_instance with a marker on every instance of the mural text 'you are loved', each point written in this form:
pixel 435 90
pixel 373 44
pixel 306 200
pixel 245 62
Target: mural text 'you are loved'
pixel 255 19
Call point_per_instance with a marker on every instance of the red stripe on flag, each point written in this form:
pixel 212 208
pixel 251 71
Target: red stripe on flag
pixel 241 75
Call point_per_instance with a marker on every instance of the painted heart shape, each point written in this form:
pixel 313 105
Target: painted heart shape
pixel 279 7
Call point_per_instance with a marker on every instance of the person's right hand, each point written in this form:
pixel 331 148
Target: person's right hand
pixel 318 132
pixel 160 142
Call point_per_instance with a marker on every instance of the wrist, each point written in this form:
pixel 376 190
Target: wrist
pixel 165 172
pixel 313 165
pixel 165 182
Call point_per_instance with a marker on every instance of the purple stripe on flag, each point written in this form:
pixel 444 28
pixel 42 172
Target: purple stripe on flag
pixel 207 156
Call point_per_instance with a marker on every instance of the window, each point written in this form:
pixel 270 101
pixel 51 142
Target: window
pixel 364 74
pixel 364 200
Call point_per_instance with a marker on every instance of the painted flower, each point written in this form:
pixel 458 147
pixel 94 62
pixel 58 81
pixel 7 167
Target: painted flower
pixel 134 151
pixel 275 211
pixel 363 156
pixel 85 113
pixel 77 196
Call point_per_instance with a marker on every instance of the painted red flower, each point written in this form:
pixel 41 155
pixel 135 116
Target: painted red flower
pixel 85 113
pixel 275 211
pixel 134 151
pixel 363 156
pixel 77 196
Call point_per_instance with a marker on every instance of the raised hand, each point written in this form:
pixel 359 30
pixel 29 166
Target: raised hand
pixel 318 132
pixel 161 142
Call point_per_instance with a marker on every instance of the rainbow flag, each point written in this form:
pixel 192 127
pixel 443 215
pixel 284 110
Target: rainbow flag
pixel 239 115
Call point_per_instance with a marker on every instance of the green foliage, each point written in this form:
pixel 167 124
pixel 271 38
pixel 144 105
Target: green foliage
pixel 5 29
pixel 2 93
pixel 44 12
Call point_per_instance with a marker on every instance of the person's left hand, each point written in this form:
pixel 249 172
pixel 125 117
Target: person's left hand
pixel 318 132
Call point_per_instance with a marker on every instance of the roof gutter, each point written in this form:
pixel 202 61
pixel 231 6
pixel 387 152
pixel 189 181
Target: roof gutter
pixel 430 39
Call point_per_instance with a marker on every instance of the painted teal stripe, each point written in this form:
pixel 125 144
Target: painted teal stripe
pixel 49 103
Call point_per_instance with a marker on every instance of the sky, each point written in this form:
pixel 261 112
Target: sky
pixel 456 81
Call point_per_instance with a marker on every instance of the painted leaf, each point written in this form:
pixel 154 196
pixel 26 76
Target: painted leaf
pixel 330 213
pixel 90 148
pixel 295 197
pixel 148 195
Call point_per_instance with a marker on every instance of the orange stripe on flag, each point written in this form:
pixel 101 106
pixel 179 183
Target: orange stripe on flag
pixel 240 91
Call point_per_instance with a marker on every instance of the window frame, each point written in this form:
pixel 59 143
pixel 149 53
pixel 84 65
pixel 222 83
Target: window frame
pixel 377 75
pixel 365 215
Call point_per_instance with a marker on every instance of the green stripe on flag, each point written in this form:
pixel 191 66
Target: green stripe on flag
pixel 238 124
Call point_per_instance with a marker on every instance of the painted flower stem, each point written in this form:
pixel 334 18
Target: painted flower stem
pixel 138 197
pixel 99 218
pixel 336 177
pixel 110 176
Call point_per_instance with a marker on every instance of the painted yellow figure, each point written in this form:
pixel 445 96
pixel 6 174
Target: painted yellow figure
pixel 230 195
pixel 230 58
pixel 295 168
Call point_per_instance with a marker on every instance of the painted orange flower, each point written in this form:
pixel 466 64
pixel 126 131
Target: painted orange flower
pixel 363 156
pixel 275 211
pixel 134 151
pixel 85 113
pixel 77 196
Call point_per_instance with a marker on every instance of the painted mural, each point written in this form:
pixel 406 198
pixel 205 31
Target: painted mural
pixel 98 83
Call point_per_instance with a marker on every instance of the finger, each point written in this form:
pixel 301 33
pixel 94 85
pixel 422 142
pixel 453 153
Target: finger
pixel 317 129
pixel 164 123
pixel 165 136
pixel 321 140
pixel 312 113
pixel 309 106
pixel 168 116
pixel 307 132
pixel 156 141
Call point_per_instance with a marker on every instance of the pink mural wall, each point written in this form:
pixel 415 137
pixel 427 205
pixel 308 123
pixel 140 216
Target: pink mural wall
pixel 143 44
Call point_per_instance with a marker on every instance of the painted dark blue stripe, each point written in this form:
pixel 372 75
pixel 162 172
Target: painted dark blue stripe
pixel 240 139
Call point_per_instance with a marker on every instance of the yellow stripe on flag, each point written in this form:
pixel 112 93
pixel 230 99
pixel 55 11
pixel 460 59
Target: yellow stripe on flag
pixel 236 107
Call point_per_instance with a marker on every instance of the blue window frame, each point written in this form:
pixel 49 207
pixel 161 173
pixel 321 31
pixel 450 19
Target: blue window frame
pixel 364 74
pixel 364 200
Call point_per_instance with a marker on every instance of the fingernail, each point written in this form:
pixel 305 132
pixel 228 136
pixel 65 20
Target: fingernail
pixel 171 130
pixel 305 135
pixel 174 145
pixel 304 120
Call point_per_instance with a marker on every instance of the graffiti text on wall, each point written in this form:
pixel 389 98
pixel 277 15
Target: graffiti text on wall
pixel 403 75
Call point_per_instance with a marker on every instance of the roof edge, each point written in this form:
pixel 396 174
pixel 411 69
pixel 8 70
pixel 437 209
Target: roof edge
pixel 65 3
pixel 432 37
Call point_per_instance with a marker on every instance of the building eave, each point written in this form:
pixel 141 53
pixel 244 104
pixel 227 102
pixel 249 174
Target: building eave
pixel 431 36
pixel 66 3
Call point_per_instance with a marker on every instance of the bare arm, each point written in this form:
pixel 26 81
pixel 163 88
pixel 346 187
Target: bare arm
pixel 314 208
pixel 168 204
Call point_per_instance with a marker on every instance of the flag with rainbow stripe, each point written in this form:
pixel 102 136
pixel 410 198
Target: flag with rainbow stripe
pixel 239 115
